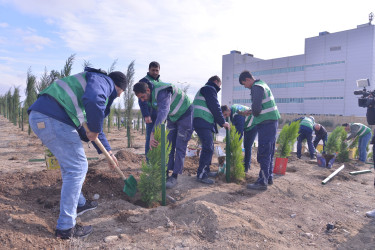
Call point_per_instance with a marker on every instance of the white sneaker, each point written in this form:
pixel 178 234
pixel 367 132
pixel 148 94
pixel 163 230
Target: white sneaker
pixel 371 213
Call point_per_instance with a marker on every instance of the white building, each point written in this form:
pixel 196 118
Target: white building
pixel 321 81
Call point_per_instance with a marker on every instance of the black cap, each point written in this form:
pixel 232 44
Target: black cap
pixel 119 79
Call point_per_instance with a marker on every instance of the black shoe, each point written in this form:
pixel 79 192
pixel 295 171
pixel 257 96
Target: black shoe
pixel 313 157
pixel 171 182
pixel 212 174
pixel 89 205
pixel 257 186
pixel 206 180
pixel 77 231
pixel 299 157
pixel 270 181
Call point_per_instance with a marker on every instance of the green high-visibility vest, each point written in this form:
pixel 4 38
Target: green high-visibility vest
pixel 68 93
pixel 364 130
pixel 249 126
pixel 201 109
pixel 308 122
pixel 269 108
pixel 180 102
pixel 235 108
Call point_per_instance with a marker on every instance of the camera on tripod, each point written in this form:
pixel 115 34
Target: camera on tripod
pixel 367 98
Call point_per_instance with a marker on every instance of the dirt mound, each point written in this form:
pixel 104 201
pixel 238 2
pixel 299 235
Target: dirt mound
pixel 126 156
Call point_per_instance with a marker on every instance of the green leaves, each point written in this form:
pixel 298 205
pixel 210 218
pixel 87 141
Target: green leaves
pixel 150 180
pixel 335 139
pixel 236 161
pixel 286 139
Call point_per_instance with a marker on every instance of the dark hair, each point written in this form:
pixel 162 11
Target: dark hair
pixel 154 64
pixel 224 108
pixel 119 79
pixel 140 88
pixel 214 78
pixel 245 74
pixel 345 124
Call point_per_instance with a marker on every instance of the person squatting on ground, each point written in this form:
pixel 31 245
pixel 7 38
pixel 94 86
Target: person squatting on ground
pixel 56 117
pixel 320 134
pixel 364 134
pixel 174 105
pixel 305 132
pixel 207 114
pixel 147 111
pixel 237 114
pixel 265 117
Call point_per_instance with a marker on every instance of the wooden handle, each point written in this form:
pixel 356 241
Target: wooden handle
pixel 105 152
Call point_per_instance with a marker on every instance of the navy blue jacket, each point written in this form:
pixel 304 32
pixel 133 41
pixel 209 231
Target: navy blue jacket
pixel 146 110
pixel 209 92
pixel 99 88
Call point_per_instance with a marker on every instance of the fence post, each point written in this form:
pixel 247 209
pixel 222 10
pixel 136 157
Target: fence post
pixel 227 154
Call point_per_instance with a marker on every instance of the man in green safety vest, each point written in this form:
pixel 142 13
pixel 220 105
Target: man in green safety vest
pixel 56 117
pixel 172 105
pixel 364 134
pixel 207 113
pixel 305 131
pixel 265 117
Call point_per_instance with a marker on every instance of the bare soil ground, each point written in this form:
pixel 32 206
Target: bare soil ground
pixel 292 214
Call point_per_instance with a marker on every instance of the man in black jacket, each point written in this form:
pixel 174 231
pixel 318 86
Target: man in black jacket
pixel 320 134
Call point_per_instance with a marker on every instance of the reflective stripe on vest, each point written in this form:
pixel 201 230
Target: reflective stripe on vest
pixel 364 130
pixel 307 122
pixel 68 92
pixel 201 109
pixel 179 101
pixel 267 113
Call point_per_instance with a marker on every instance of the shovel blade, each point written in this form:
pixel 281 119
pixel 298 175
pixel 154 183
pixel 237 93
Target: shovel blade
pixel 130 187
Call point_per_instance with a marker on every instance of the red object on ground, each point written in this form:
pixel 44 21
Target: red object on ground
pixel 280 166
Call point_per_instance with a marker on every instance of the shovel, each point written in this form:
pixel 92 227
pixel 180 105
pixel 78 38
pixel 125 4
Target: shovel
pixel 130 187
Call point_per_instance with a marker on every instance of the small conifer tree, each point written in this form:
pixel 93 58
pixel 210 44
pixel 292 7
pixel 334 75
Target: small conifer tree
pixel 286 139
pixel 236 161
pixel 150 178
pixel 334 141
pixel 343 155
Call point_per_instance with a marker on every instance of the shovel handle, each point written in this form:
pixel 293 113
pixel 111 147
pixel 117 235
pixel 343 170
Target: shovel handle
pixel 105 152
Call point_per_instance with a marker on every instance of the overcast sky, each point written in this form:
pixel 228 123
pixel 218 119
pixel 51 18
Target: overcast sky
pixel 188 38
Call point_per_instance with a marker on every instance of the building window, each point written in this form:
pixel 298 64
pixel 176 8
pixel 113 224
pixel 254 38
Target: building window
pixel 335 48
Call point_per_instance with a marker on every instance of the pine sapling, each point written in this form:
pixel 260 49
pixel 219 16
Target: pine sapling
pixel 237 159
pixel 286 139
pixel 150 179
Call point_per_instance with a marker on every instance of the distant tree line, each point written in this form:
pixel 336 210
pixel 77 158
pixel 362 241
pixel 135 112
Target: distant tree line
pixel 15 110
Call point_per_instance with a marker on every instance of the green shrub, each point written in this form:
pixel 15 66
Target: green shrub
pixel 237 170
pixel 334 140
pixel 343 155
pixel 286 139
pixel 150 179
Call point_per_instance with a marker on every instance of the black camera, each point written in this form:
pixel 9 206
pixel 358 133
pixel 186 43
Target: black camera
pixel 367 99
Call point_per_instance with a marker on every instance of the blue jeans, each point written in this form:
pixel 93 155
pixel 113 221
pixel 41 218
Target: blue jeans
pixel 149 127
pixel 248 144
pixel 179 135
pixel 207 140
pixel 362 144
pixel 64 142
pixel 304 134
pixel 266 150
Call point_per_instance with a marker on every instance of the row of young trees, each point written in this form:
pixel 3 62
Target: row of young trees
pixel 16 111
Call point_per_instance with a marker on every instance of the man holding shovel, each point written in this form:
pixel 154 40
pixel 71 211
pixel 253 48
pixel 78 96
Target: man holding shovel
pixel 172 105
pixel 56 118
